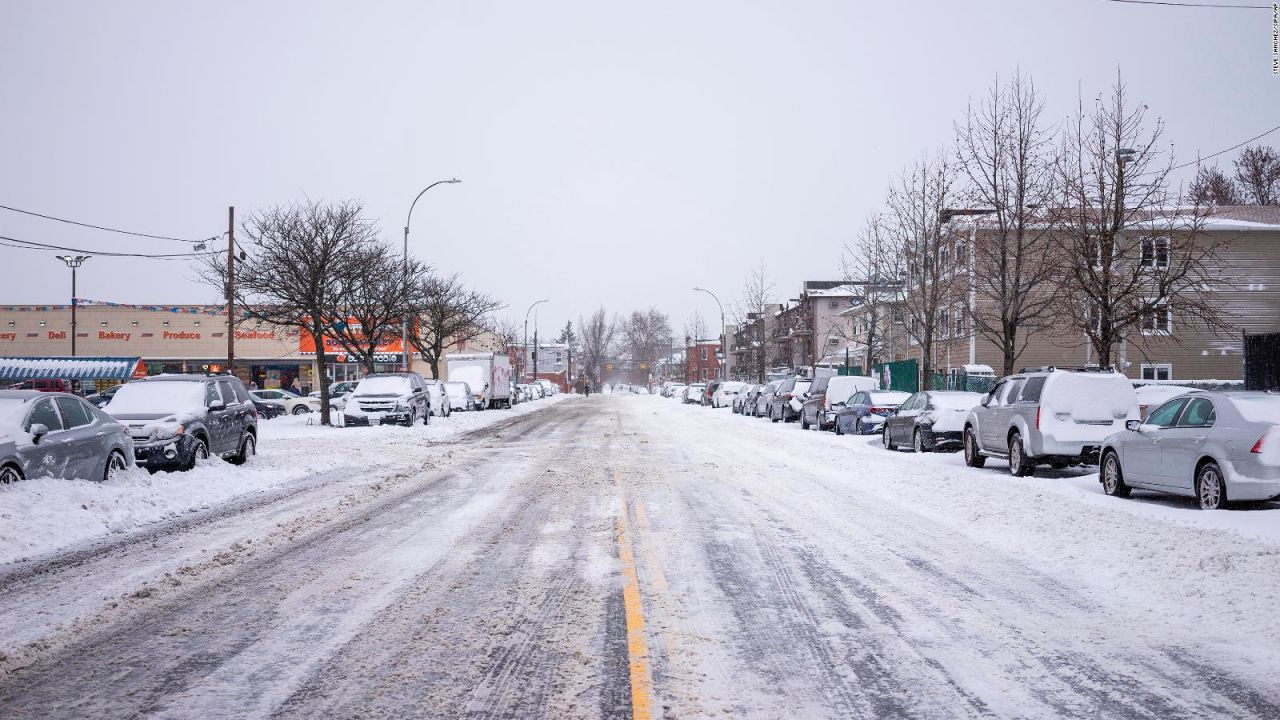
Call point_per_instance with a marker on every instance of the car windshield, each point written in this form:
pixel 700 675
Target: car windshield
pixel 391 385
pixel 1260 409
pixel 955 401
pixel 157 398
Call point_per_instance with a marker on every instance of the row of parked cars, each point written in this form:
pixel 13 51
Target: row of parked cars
pixel 1213 446
pixel 171 422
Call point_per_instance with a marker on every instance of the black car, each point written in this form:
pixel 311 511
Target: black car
pixel 788 399
pixel 930 421
pixel 176 420
pixel 267 410
pixel 104 397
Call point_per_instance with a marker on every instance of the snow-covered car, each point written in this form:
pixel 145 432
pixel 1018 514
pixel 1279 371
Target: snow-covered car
pixel 788 399
pixel 865 412
pixel 388 398
pixel 548 388
pixel 338 393
pixel 744 397
pixel 45 434
pixel 930 420
pixel 693 393
pixel 827 395
pixel 676 391
pixel 1050 416
pixel 763 398
pixel 1213 446
pixel 726 392
pixel 438 398
pixel 177 420
pixel 460 396
pixel 1156 394
pixel 294 404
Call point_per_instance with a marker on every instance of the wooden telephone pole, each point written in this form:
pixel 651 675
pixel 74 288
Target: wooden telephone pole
pixel 231 294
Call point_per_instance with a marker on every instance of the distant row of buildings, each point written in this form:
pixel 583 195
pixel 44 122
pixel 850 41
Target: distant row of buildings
pixel 828 322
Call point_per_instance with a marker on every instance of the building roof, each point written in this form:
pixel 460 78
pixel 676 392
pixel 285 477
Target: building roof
pixel 67 368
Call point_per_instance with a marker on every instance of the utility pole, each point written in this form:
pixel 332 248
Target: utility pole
pixel 231 290
pixel 535 346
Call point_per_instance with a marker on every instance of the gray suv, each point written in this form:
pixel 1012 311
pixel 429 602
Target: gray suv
pixel 176 420
pixel 1048 416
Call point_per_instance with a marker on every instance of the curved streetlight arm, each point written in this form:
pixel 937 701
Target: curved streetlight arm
pixel 404 264
pixel 408 219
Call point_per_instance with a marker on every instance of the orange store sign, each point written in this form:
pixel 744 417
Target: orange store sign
pixel 307 345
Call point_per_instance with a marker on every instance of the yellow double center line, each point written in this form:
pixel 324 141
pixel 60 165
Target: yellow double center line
pixel 637 646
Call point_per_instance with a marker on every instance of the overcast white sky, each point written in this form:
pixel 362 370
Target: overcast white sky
pixel 611 154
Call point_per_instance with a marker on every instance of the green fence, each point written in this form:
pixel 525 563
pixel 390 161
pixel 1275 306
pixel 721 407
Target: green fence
pixel 903 375
pixel 849 370
pixel 964 383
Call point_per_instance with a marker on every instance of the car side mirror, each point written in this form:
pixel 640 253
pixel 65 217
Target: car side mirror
pixel 1132 425
pixel 217 406
pixel 38 430
pixel 417 390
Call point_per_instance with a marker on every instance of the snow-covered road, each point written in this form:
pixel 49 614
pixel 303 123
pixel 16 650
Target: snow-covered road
pixel 609 556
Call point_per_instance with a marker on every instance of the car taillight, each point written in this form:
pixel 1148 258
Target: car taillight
pixel 1037 417
pixel 788 396
pixel 879 410
pixel 1257 447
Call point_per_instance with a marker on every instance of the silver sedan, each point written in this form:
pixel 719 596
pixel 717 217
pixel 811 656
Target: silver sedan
pixel 59 435
pixel 1213 446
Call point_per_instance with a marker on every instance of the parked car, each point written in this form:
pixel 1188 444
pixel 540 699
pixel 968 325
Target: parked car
pixel 267 409
pixel 548 388
pixel 931 420
pixel 742 400
pixel 1053 416
pixel 388 398
pixel 1154 395
pixel 460 396
pixel 44 385
pixel 788 399
pixel 438 398
pixel 725 393
pixel 178 420
pixel 864 413
pixel 104 397
pixel 1213 446
pixel 693 393
pixel 59 435
pixel 827 395
pixel 677 391
pixel 764 398
pixel 294 404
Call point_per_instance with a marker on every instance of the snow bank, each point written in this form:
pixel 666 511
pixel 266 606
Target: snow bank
pixel 41 516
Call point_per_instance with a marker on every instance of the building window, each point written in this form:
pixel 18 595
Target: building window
pixel 833 304
pixel 1158 320
pixel 962 252
pixel 961 329
pixel 1157 371
pixel 1155 253
pixel 944 322
pixel 944 255
pixel 704 357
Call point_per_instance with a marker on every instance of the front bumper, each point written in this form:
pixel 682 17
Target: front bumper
pixel 389 418
pixel 171 452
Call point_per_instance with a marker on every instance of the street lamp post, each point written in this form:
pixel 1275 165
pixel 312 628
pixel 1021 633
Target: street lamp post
pixel 404 322
pixel 73 262
pixel 720 368
pixel 524 351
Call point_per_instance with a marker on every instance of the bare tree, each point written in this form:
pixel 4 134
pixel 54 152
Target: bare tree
pixel 1258 172
pixel 1003 154
pixel 757 292
pixel 508 332
pixel 695 328
pixel 647 334
pixel 598 333
pixel 1134 259
pixel 445 313
pixel 1212 187
pixel 915 217
pixel 298 262
pixel 374 302
pixel 874 263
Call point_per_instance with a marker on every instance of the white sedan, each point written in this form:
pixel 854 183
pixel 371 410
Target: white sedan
pixel 293 404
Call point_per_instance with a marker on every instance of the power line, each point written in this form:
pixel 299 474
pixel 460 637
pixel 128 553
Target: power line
pixel 1223 6
pixel 32 245
pixel 97 227
pixel 1197 161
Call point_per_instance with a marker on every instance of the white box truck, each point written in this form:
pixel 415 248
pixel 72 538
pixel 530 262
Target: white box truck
pixel 488 374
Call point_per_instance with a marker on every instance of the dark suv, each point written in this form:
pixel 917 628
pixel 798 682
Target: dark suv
pixel 175 420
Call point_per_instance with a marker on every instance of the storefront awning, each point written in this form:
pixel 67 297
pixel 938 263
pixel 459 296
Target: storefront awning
pixel 67 368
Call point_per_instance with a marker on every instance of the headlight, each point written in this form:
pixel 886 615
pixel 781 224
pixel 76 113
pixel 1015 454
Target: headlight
pixel 400 407
pixel 166 430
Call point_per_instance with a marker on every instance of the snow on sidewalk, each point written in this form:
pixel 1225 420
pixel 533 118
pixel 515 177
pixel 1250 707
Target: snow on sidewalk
pixel 42 516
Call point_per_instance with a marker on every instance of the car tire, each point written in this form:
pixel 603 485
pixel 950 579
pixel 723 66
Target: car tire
pixel 1019 464
pixel 426 421
pixel 857 427
pixel 886 438
pixel 804 422
pixel 248 448
pixel 301 410
pixel 973 457
pixel 1211 487
pixel 198 453
pixel 1112 476
pixel 839 430
pixel 917 442
pixel 115 464
pixel 10 474
pixel 413 417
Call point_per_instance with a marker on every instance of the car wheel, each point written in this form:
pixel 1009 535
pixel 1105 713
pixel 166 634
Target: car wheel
pixel 116 464
pixel 301 409
pixel 9 474
pixel 886 439
pixel 804 422
pixel 1113 476
pixel 1019 465
pixel 1211 490
pixel 198 453
pixel 426 420
pixel 857 427
pixel 917 442
pixel 972 456
pixel 248 448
